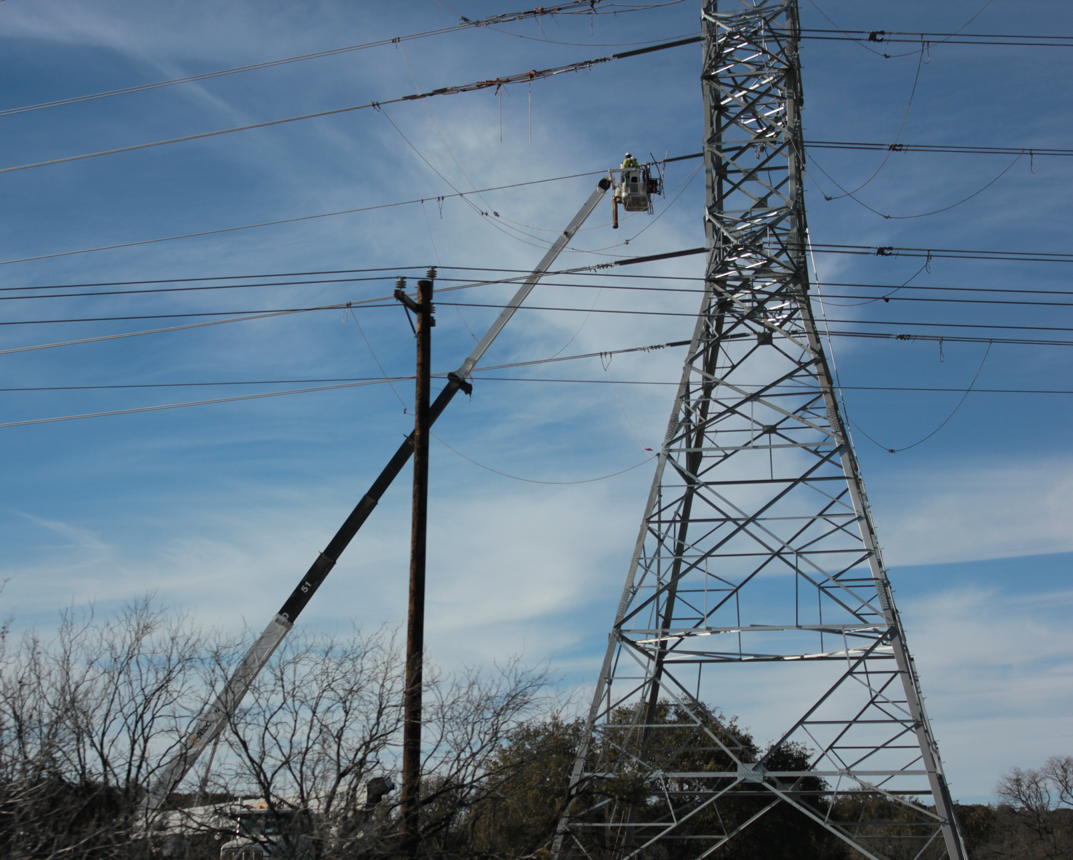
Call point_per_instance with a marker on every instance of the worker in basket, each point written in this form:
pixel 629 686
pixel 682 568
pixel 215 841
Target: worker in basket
pixel 629 161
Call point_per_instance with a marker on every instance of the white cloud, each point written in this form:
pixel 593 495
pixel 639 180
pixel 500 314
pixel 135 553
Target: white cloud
pixel 996 670
pixel 967 511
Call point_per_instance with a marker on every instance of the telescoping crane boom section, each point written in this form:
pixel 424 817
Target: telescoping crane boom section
pixel 214 717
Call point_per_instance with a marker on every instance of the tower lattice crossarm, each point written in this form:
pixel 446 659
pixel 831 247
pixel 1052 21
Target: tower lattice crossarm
pixel 756 587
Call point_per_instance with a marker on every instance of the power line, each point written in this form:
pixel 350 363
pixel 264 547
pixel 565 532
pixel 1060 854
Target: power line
pixel 262 395
pixel 953 149
pixel 594 285
pixel 897 137
pixel 260 312
pixel 504 18
pixel 577 270
pixel 949 417
pixel 1030 151
pixel 223 383
pixel 167 406
pixel 203 278
pixel 154 290
pixel 629 261
pixel 121 335
pixel 362 382
pixel 514 477
pixel 926 287
pixel 496 83
pixel 867 47
pixel 200 234
pixel 953 325
pixel 865 250
pixel 852 194
pixel 390 271
pixel 896 37
pixel 943 253
pixel 381 302
pixel 885 299
pixel 948 338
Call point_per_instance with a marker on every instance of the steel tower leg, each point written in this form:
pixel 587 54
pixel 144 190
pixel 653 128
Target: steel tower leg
pixel 757 578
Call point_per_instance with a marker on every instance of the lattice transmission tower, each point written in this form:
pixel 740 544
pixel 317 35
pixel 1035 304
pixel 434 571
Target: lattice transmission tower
pixel 757 587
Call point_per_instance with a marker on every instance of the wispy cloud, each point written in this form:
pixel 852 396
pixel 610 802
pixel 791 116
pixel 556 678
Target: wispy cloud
pixel 962 511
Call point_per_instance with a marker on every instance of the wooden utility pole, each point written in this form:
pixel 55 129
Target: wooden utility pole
pixel 415 628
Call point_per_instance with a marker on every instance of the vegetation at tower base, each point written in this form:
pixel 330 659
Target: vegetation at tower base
pixel 681 745
pixel 520 820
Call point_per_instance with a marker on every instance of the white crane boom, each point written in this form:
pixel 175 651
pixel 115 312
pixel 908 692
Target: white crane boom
pixel 212 720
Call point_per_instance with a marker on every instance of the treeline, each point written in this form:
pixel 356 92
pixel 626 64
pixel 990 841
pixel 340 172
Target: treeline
pixel 90 714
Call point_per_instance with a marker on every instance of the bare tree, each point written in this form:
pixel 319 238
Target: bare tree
pixel 325 720
pixel 320 721
pixel 1043 800
pixel 86 715
pixel 1059 773
pixel 90 713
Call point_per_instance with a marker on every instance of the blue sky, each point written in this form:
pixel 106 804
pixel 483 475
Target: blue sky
pixel 218 509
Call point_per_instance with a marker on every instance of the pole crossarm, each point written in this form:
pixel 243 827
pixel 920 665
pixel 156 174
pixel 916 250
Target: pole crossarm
pixel 756 586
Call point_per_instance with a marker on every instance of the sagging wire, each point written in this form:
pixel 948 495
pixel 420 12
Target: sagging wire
pixel 525 480
pixel 833 23
pixel 484 214
pixel 888 216
pixel 183 327
pixel 878 36
pixel 944 422
pixel 376 359
pixel 217 400
pixel 336 387
pixel 572 8
pixel 505 228
pixel 924 267
pixel 335 306
pixel 439 199
pixel 463 195
pixel 584 321
pixel 456 89
pixel 839 392
pixel 897 137
pixel 488 210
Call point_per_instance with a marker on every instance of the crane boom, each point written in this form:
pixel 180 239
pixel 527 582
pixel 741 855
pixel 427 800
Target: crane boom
pixel 212 720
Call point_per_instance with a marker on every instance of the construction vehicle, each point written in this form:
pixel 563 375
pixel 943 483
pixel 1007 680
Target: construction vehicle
pixel 208 725
pixel 287 828
pixel 281 833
